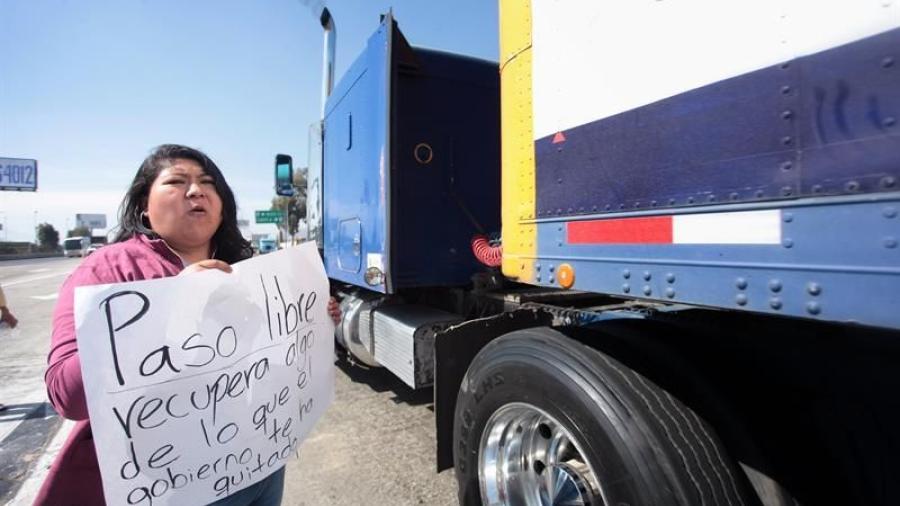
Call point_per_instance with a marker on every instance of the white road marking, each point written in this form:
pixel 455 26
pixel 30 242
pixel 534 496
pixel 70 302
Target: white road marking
pixel 35 271
pixel 34 278
pixel 52 296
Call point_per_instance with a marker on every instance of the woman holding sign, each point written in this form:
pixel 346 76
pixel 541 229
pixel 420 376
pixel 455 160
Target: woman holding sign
pixel 178 217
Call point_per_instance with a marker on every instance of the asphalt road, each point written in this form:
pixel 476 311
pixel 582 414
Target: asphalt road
pixel 27 425
pixel 375 445
pixel 31 287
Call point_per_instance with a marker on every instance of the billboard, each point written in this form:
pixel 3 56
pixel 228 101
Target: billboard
pixel 91 221
pixel 18 174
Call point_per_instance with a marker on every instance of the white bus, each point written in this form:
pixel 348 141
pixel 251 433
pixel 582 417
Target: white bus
pixel 76 246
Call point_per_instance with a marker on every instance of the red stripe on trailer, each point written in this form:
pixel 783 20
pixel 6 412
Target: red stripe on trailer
pixel 654 230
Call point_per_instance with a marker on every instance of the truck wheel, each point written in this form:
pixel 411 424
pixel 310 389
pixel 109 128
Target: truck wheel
pixel 542 419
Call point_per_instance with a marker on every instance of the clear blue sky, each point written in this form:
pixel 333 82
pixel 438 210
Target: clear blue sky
pixel 88 87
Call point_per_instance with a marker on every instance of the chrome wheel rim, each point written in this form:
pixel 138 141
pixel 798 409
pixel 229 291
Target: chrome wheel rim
pixel 526 457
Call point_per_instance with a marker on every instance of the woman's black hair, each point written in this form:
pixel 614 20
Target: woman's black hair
pixel 228 243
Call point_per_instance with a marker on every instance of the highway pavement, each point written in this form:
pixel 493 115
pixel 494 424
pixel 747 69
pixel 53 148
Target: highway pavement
pixel 28 424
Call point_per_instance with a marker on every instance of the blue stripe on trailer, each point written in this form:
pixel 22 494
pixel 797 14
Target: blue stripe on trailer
pixel 824 124
pixel 839 260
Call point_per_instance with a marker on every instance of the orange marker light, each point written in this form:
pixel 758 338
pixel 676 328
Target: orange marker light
pixel 566 275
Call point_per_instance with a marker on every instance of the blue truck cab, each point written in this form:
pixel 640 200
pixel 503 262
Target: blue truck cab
pixel 412 165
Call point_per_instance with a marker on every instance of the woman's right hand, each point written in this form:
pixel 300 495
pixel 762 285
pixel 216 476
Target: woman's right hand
pixel 206 265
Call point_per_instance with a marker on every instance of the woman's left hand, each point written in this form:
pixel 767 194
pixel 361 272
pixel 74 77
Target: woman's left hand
pixel 205 265
pixel 334 310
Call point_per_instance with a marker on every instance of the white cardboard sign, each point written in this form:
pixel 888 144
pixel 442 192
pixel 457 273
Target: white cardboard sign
pixel 201 385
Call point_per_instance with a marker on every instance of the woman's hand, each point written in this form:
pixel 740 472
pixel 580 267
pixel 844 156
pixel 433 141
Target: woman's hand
pixel 334 310
pixel 206 265
pixel 7 317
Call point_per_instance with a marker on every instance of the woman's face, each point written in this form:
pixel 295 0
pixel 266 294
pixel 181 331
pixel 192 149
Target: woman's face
pixel 183 205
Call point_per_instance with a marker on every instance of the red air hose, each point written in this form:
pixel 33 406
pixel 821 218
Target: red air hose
pixel 492 256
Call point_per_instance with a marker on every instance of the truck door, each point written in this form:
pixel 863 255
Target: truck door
pixel 357 168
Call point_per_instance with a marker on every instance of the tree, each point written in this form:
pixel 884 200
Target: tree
pixel 79 232
pixel 48 237
pixel 296 204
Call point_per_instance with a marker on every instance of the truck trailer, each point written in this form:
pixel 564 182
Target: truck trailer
pixel 649 258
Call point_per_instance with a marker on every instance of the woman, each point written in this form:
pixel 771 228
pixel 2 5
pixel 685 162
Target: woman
pixel 179 216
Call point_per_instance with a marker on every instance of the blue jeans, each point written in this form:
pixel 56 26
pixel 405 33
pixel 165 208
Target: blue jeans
pixel 264 493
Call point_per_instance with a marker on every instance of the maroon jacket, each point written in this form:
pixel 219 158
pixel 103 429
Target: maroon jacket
pixel 74 478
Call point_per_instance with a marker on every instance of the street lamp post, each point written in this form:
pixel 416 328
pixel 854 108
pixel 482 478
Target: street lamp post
pixel 287 220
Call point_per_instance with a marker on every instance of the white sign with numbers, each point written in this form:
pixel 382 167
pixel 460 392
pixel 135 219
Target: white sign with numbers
pixel 18 174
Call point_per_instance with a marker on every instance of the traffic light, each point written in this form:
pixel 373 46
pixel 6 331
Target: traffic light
pixel 284 175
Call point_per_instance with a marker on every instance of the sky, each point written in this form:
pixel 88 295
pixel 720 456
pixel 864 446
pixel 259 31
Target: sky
pixel 89 87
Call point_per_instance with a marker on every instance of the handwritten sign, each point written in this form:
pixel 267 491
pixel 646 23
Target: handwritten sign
pixel 201 385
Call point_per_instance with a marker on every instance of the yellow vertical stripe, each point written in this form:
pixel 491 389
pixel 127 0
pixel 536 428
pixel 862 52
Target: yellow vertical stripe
pixel 517 157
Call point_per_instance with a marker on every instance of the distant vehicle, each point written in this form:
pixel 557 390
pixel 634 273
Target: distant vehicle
pixel 92 248
pixel 267 246
pixel 76 246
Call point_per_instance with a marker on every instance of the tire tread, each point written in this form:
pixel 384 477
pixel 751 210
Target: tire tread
pixel 695 465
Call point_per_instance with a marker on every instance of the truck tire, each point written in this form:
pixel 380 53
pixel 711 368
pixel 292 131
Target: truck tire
pixel 543 419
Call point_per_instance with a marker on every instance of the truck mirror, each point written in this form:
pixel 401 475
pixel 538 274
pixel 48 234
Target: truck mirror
pixel 284 175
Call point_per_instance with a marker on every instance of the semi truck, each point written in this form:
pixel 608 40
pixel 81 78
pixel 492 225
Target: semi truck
pixel 649 257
